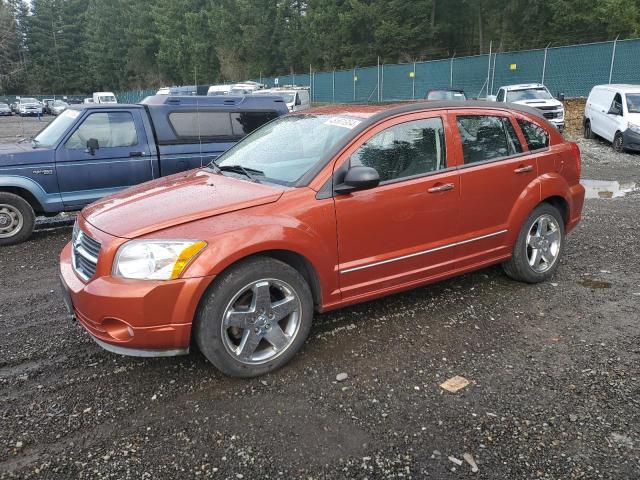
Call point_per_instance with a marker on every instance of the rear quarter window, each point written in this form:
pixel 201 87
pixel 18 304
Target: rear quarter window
pixel 537 137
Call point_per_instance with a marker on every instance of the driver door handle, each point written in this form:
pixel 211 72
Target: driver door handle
pixel 528 168
pixel 136 154
pixel 441 188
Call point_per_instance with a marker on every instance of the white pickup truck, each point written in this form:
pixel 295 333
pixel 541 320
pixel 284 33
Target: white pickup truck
pixel 533 95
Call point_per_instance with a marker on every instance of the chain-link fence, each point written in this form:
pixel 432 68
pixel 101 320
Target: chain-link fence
pixel 572 70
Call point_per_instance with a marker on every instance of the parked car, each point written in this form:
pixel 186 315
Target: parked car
pixel 296 98
pixel 5 110
pixel 613 113
pixel 315 211
pixel 58 107
pixel 215 90
pixel 29 106
pixel 104 97
pixel 245 88
pixel 445 93
pixel 46 105
pixel 533 95
pixel 187 90
pixel 14 106
pixel 87 101
pixel 93 150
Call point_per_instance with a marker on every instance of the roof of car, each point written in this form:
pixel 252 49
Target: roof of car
pixel 523 86
pixel 621 87
pixel 379 111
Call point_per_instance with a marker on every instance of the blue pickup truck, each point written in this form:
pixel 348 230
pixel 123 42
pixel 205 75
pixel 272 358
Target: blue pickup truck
pixel 94 150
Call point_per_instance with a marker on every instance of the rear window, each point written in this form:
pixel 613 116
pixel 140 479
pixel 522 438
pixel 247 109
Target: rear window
pixel 486 137
pixel 536 137
pixel 217 125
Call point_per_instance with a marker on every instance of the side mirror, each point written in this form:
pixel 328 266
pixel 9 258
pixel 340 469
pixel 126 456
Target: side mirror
pixel 358 178
pixel 560 96
pixel 92 146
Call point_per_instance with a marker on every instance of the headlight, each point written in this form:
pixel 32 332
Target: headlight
pixel 634 128
pixel 155 259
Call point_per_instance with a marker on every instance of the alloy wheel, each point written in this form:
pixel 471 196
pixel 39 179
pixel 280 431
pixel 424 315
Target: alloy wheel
pixel 261 321
pixel 543 243
pixel 11 220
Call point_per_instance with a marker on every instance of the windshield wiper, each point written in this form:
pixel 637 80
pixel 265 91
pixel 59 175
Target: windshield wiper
pixel 247 172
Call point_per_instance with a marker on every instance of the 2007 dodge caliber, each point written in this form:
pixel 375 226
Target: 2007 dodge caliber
pixel 315 211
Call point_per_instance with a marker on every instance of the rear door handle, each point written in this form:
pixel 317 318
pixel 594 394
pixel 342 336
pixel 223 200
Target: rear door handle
pixel 441 188
pixel 136 154
pixel 528 168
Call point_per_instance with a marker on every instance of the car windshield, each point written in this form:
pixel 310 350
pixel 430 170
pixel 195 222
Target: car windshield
pixel 4 105
pixel 52 133
pixel 446 95
pixel 288 97
pixel 28 100
pixel 284 150
pixel 59 103
pixel 539 93
pixel 633 102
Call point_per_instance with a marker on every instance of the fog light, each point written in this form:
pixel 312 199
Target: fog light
pixel 117 329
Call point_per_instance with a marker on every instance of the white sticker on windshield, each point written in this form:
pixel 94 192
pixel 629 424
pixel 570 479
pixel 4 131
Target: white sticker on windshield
pixel 71 113
pixel 343 122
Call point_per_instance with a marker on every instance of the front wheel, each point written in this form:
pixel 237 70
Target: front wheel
pixel 618 142
pixel 254 318
pixel 17 219
pixel 539 246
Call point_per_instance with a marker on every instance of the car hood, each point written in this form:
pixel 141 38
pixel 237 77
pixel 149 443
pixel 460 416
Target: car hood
pixel 540 103
pixel 17 154
pixel 175 200
pixel 634 118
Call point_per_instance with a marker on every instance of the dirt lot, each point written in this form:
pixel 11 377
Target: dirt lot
pixel 554 372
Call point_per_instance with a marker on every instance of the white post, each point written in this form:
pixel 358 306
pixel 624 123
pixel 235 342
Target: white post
pixel 451 70
pixel 354 84
pixel 544 63
pixel 489 68
pixel 613 57
pixel 382 84
pixel 310 87
pixel 378 88
pixel 493 72
pixel 333 87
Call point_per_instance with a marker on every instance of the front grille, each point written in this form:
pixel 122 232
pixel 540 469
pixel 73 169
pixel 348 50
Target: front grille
pixel 85 251
pixel 547 108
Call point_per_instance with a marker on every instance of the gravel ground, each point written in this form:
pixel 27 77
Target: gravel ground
pixel 553 369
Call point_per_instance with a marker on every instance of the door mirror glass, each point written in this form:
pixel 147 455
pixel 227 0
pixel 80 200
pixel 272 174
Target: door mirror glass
pixel 92 146
pixel 359 178
pixel 560 96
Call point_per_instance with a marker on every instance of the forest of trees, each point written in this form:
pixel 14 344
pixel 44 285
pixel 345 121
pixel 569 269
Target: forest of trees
pixel 78 46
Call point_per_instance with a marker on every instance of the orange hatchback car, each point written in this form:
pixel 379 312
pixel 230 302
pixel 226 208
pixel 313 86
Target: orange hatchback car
pixel 315 211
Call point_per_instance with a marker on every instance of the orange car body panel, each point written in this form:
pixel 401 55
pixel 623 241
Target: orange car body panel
pixel 360 246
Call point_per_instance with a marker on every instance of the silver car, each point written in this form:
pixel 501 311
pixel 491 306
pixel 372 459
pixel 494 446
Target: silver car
pixel 5 110
pixel 58 107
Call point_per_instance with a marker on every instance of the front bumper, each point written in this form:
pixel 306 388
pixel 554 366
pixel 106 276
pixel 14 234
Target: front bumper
pixel 133 317
pixel 631 140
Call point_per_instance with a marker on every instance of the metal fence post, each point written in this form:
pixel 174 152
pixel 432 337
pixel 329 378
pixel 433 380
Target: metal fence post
pixel 489 68
pixel 354 84
pixel 333 87
pixel 451 70
pixel 493 72
pixel 378 79
pixel 382 84
pixel 613 57
pixel 413 84
pixel 544 63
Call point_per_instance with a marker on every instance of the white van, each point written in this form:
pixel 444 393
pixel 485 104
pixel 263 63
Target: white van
pixel 296 98
pixel 104 97
pixel 216 90
pixel 613 113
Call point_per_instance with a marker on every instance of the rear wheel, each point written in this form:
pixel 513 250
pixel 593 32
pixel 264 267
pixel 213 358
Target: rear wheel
pixel 255 317
pixel 618 142
pixel 539 246
pixel 17 219
pixel 588 133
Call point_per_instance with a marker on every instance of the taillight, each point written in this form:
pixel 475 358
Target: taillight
pixel 576 153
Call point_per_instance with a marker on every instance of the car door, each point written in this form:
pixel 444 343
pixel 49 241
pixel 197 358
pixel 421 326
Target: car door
pixel 402 231
pixel 599 107
pixel 123 157
pixel 495 170
pixel 612 118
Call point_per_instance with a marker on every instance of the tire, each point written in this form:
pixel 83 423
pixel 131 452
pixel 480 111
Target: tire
pixel 525 265
pixel 238 296
pixel 588 133
pixel 618 143
pixel 17 219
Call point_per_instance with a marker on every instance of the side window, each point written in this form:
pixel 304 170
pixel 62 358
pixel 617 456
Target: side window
pixel 487 138
pixel 404 150
pixel 536 137
pixel 201 125
pixel 111 129
pixel 616 105
pixel 500 97
pixel 304 96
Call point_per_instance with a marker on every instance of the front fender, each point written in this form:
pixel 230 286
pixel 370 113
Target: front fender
pixel 49 202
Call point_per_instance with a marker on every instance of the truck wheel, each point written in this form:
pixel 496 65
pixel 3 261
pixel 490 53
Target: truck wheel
pixel 17 219
pixel 588 133
pixel 539 246
pixel 618 142
pixel 254 318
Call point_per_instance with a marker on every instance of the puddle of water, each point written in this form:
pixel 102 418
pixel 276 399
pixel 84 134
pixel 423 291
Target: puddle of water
pixel 607 189
pixel 594 283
